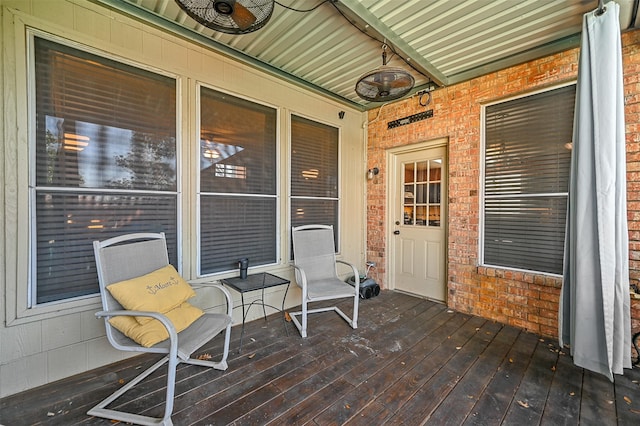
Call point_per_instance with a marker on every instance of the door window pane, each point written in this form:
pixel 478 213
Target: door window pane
pixel 421 199
pixel 421 193
pixel 422 170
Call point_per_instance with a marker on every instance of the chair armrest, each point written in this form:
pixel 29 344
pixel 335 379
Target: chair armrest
pixel 356 275
pixel 353 269
pixel 303 280
pixel 303 276
pixel 171 329
pixel 224 291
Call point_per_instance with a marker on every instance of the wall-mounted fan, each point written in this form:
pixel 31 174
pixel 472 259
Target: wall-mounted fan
pixel 384 83
pixel 229 16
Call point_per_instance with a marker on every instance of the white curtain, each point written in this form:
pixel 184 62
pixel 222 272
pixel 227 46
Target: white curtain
pixel 594 318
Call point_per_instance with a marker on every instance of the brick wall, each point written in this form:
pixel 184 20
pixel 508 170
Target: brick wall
pixel 526 300
pixel 631 66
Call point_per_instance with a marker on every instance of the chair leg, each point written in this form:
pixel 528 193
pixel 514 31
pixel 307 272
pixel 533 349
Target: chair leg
pixel 225 354
pixel 303 330
pixel 344 316
pixel 100 410
pixel 220 365
pixel 305 313
pixel 354 318
pixel 294 319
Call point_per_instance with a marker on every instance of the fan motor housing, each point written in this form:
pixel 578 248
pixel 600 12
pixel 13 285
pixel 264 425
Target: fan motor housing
pixel 223 6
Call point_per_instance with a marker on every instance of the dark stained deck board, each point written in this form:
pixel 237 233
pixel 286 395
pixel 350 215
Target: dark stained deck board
pixel 563 401
pixel 388 379
pixel 366 349
pixel 312 376
pixel 530 398
pixel 370 416
pixel 598 400
pixel 411 361
pixel 290 402
pixel 627 398
pixel 374 374
pixel 433 383
pixel 492 405
pixel 239 404
pixel 317 377
pixel 402 353
pixel 457 406
pixel 320 325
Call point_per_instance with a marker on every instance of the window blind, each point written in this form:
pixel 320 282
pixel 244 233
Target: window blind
pixel 238 172
pixel 314 174
pixel 234 227
pixel 105 164
pixel 68 223
pixel 527 164
pixel 314 159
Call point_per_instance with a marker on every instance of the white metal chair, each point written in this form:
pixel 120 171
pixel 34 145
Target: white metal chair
pixel 316 272
pixel 134 255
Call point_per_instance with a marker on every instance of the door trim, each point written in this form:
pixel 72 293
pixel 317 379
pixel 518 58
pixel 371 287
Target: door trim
pixel 391 190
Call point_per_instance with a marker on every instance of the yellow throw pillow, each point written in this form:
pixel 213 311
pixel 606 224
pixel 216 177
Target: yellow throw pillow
pixel 159 291
pixel 153 331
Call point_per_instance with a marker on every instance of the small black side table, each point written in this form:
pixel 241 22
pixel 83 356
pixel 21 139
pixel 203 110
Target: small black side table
pixel 256 282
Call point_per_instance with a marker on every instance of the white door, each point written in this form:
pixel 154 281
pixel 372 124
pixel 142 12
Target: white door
pixel 418 222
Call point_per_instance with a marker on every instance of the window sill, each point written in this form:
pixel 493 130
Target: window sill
pixel 53 310
pixel 530 277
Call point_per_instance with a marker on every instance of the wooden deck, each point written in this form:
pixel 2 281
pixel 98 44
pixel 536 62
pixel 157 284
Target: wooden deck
pixel 410 362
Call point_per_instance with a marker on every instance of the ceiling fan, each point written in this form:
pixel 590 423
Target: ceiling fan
pixel 229 16
pixel 384 83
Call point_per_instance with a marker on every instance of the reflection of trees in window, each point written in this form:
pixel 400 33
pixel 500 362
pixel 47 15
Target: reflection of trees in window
pixel 52 146
pixel 150 162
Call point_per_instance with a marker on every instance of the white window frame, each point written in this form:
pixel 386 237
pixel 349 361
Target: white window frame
pixel 338 199
pixel 27 306
pixel 481 198
pixel 198 193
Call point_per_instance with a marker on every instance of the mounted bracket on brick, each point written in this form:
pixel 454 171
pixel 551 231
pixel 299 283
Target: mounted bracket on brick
pixel 410 119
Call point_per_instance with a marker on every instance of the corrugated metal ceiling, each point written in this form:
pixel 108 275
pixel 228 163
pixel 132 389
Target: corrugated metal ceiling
pixel 443 41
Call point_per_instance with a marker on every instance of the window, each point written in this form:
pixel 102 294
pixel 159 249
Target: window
pixel 314 174
pixel 526 176
pixel 421 185
pixel 103 164
pixel 237 193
